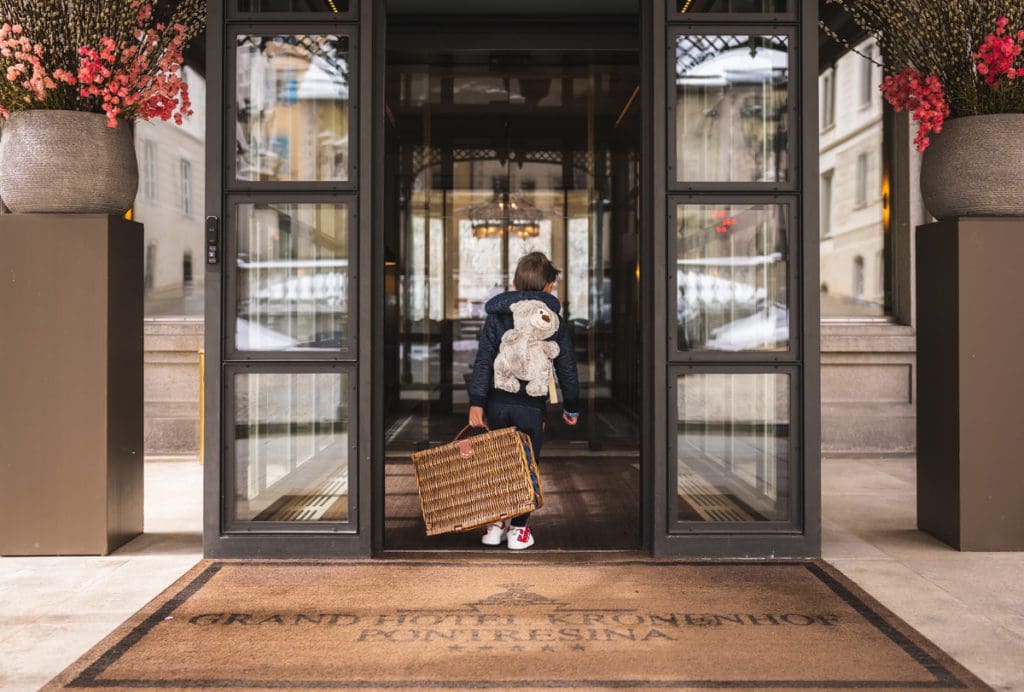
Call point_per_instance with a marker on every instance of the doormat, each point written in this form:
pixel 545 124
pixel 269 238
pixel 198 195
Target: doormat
pixel 536 624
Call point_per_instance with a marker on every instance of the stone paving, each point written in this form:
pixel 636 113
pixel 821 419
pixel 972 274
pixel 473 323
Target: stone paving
pixel 970 604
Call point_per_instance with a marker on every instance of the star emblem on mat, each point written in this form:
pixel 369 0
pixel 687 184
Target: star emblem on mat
pixel 516 594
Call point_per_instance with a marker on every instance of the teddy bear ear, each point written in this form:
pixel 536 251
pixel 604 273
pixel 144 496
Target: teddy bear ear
pixel 518 307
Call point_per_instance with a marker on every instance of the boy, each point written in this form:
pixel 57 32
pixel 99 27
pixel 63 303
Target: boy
pixel 534 280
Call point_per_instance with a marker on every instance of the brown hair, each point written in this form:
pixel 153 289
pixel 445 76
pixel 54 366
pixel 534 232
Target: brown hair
pixel 534 272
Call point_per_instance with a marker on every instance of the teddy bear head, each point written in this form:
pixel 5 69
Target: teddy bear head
pixel 534 318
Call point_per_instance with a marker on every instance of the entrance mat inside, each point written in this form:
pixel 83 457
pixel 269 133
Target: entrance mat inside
pixel 512 624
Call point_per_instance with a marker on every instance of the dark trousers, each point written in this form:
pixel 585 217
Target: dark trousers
pixel 528 419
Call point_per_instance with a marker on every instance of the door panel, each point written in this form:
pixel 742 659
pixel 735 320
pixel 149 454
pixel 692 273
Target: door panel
pixel 285 350
pixel 293 452
pixel 735 384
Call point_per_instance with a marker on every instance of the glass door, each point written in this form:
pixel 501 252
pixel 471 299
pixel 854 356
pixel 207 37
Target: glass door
pixel 738 247
pixel 284 252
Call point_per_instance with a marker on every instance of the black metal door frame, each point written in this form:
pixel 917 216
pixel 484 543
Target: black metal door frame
pixel 223 536
pixel 658 23
pixel 801 535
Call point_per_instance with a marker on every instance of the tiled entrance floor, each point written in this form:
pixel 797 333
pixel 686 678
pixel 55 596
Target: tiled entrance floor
pixel 970 604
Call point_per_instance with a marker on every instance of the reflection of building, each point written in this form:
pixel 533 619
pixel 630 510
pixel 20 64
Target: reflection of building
pixel 852 258
pixel 170 204
pixel 291 124
pixel 731 108
pixel 868 367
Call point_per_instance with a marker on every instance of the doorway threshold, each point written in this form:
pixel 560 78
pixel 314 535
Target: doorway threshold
pixel 504 555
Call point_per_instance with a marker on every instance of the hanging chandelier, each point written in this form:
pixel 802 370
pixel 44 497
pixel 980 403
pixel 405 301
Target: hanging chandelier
pixel 505 213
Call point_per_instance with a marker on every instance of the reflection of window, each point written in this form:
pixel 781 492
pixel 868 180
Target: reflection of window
pixel 828 99
pixel 858 277
pixel 149 170
pixel 288 86
pixel 862 179
pixel 185 168
pixel 150 267
pixel 867 74
pixel 292 460
pixel 186 269
pixel 826 202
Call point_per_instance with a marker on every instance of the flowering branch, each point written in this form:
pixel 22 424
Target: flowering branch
pixel 123 61
pixel 941 38
pixel 923 96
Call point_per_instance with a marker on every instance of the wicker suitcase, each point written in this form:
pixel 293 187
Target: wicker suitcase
pixel 477 480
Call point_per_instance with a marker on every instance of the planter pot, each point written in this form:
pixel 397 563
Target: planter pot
pixel 975 167
pixel 67 162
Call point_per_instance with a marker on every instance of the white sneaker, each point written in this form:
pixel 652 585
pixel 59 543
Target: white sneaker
pixel 495 533
pixel 519 538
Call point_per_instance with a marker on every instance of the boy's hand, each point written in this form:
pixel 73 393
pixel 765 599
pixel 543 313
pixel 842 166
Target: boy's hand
pixel 476 416
pixel 570 419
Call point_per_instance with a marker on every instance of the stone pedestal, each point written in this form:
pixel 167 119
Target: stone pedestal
pixel 970 382
pixel 71 459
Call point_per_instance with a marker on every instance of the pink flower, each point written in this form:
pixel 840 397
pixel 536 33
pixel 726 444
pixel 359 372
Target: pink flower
pixel 137 77
pixel 997 54
pixel 925 98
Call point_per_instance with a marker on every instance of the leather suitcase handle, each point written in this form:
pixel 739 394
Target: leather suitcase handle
pixel 463 431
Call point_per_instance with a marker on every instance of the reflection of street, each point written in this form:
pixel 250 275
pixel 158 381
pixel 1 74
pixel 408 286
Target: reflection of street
pixel 721 478
pixel 732 446
pixel 728 314
pixel 296 488
pixel 251 336
pixel 291 446
pixel 767 326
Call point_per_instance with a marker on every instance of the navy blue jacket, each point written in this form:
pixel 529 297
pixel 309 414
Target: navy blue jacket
pixel 499 321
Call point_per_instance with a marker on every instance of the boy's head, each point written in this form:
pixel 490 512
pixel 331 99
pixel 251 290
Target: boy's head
pixel 535 272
